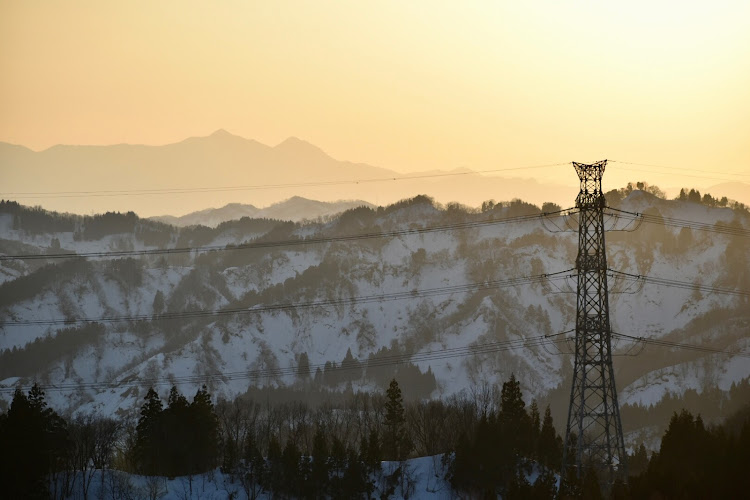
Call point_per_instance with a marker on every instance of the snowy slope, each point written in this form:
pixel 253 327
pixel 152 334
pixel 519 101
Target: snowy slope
pixel 229 352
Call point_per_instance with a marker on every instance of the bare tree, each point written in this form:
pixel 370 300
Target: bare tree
pixel 82 448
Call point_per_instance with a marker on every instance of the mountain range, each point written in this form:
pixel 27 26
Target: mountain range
pixel 222 168
pixel 295 209
pixel 212 171
pixel 416 289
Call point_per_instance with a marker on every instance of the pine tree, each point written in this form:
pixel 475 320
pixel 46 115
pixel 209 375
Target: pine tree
pixel 337 466
pixel 545 486
pixel 515 430
pixel 549 446
pixel 319 472
pixel 354 483
pixel 511 401
pixel 34 442
pixel 303 367
pixel 179 438
pixel 274 477
pixel 374 456
pixel 205 429
pixel 535 427
pixel 149 436
pixel 590 487
pixel 290 469
pixel 396 443
pixel 350 367
pixel 638 461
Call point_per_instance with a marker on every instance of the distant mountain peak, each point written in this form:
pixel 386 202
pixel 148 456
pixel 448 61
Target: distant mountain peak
pixel 221 133
pixel 224 134
pixel 295 145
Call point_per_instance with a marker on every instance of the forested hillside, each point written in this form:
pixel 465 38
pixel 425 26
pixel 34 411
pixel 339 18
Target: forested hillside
pixel 443 298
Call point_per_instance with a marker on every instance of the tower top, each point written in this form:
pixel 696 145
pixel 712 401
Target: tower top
pixel 590 195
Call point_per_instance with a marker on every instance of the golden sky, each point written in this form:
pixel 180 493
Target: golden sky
pixel 409 86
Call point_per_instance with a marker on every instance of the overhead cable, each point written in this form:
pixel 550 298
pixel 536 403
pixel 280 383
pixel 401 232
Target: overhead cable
pixel 366 299
pixel 253 187
pixel 313 240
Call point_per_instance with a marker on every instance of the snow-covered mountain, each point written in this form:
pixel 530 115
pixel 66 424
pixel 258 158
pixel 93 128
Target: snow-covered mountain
pixel 286 301
pixel 295 209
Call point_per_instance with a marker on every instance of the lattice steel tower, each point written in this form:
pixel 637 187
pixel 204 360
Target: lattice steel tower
pixel 593 415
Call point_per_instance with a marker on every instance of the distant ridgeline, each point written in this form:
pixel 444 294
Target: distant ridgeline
pixel 691 195
pixel 36 220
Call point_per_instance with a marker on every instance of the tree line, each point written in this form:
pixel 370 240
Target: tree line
pixel 490 443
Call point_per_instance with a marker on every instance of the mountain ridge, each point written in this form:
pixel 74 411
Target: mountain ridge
pixel 225 168
pixel 222 168
pixel 294 209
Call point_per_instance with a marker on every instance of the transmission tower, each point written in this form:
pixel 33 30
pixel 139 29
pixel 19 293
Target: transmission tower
pixel 593 414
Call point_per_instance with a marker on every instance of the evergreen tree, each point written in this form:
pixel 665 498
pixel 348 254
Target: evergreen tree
pixel 179 437
pixel 638 461
pixel 396 442
pixel 511 401
pixel 337 466
pixel 350 367
pixel 373 456
pixel 34 442
pixel 534 427
pixel 549 446
pixel 274 477
pixel 515 431
pixel 319 473
pixel 684 447
pixel 369 456
pixel 290 469
pixel 355 482
pixel 303 367
pixel 590 487
pixel 205 429
pixel 545 486
pixel 149 435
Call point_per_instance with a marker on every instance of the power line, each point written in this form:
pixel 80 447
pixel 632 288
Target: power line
pixel 253 187
pixel 380 361
pixel 633 216
pixel 290 242
pixel 366 299
pixel 718 228
pixel 680 169
pixel 684 284
pixel 681 345
pixel 683 169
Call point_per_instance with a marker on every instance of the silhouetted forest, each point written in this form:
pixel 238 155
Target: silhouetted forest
pixel 358 447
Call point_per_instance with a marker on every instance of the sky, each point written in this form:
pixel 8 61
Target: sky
pixel 409 86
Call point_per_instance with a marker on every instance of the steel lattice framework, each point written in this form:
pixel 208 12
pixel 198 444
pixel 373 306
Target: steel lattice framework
pixel 593 415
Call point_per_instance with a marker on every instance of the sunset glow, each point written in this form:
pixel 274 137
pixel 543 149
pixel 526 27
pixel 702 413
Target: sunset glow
pixel 407 86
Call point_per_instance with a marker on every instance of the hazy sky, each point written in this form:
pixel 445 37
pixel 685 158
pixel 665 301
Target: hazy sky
pixel 409 85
